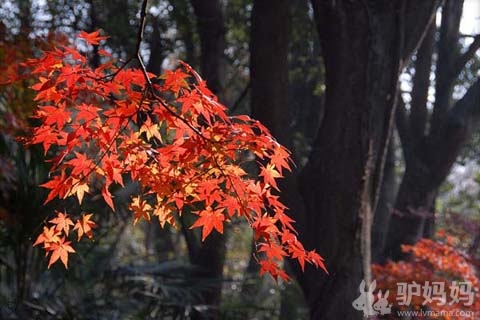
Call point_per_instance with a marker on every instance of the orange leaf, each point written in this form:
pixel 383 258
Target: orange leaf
pixel 85 226
pixel 141 209
pixel 151 130
pixel 79 188
pixel 62 222
pixel 164 215
pixel 272 250
pixel 269 174
pixel 273 269
pixel 47 237
pixel 60 251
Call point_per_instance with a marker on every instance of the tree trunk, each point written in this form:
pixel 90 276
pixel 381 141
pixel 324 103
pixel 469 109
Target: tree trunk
pixel 385 206
pixel 211 30
pixel 336 183
pixel 269 45
pixel 156 50
pixel 181 13
pixel 363 45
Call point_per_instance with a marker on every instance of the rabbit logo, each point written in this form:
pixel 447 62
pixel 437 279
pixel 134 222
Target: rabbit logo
pixel 365 302
pixel 382 306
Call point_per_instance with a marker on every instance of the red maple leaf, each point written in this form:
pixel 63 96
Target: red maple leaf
pixel 175 80
pixel 280 158
pixel 273 269
pixel 273 251
pixel 92 38
pixel 209 219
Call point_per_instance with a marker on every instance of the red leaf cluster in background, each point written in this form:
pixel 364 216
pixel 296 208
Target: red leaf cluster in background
pixel 431 261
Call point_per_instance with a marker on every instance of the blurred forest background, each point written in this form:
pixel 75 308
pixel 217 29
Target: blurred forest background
pixel 378 101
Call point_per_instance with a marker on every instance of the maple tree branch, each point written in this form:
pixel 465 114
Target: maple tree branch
pixel 143 16
pixel 97 161
pixel 138 57
pixel 173 113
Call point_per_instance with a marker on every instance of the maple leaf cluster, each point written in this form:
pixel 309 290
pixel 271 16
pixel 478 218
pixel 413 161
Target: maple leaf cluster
pixel 101 127
pixel 431 261
pixel 54 237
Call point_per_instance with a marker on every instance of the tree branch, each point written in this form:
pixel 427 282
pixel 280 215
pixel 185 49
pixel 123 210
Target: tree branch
pixel 454 132
pixel 143 16
pixel 419 16
pixel 466 111
pixel 462 60
pixel 447 53
pixel 421 83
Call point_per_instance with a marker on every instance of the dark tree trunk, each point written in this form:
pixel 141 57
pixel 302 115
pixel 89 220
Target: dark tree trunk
pixel 269 49
pixel 211 30
pixel 269 46
pixel 385 205
pixel 363 46
pixel 156 51
pixel 336 183
pixel 182 13
pixel 430 155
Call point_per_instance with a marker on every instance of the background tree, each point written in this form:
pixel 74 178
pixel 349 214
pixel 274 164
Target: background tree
pixel 433 133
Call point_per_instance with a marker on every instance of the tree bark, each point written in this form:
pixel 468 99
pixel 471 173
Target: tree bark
pixel 269 46
pixel 269 72
pixel 363 45
pixel 385 206
pixel 336 183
